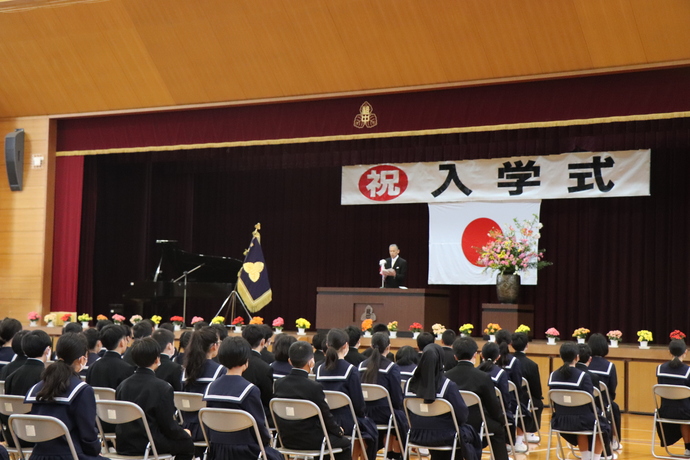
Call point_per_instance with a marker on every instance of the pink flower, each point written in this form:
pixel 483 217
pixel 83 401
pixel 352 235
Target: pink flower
pixel 278 322
pixel 196 319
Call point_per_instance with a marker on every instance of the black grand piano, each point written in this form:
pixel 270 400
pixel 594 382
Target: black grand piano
pixel 210 280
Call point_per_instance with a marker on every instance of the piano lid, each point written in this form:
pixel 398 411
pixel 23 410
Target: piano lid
pixel 214 269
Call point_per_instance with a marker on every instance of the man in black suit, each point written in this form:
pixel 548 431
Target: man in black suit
pixel 395 268
pixel 258 372
pixel 168 370
pixel 111 369
pixel 447 339
pixel 36 346
pixel 307 434
pixel 469 378
pixel 155 397
pixel 530 371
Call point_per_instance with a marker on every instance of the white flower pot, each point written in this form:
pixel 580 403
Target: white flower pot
pixel 279 330
pixel 464 334
pixel 439 336
pixel 580 340
pixel 238 329
pixel 33 323
pixel 393 334
pixel 50 324
pixel 415 335
pixel 492 337
pixel 644 344
pixel 84 324
pixel 551 340
pixel 301 331
pixel 176 327
pixel 613 344
pixel 367 333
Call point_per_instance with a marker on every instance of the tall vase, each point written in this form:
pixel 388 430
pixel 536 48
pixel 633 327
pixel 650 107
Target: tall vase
pixel 508 288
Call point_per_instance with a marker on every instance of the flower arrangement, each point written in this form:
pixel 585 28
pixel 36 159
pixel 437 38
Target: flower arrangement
pixel 552 332
pixel 492 328
pixel 581 332
pixel 615 335
pixel 84 317
pixel 516 250
pixel 466 328
pixel 416 327
pixel 177 320
pixel 367 324
pixel 239 321
pixel 438 328
pixel 524 329
pixel 101 317
pixel 393 326
pixel 134 319
pixel 66 317
pixel 302 323
pixel 119 319
pixel 155 318
pixel 278 323
pixel 196 319
pixel 256 320
pixel 644 336
pixel 677 335
pixel 218 320
pixel 34 316
pixel 50 317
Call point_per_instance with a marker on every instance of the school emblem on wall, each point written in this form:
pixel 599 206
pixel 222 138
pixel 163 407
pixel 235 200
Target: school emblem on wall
pixel 366 117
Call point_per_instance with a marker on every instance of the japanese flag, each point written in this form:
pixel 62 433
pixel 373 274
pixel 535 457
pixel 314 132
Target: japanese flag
pixel 457 230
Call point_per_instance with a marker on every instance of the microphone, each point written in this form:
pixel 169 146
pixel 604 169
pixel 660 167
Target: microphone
pixel 382 263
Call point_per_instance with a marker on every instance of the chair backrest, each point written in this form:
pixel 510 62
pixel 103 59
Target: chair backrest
pixel 104 393
pixel 39 428
pixel 117 412
pixel 418 407
pixel 571 398
pixel 674 392
pixel 228 421
pixel 10 404
pixel 470 398
pixel 298 409
pixel 337 399
pixel 189 402
pixel 2 387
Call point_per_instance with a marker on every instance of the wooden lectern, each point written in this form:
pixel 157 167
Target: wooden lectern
pixel 341 307
pixel 508 315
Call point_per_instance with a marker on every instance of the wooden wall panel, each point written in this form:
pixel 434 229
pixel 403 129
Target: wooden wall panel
pixel 640 392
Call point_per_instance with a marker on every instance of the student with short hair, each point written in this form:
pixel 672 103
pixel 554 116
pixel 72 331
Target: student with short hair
pixel 93 340
pixel 406 358
pixel 424 339
pixel 281 365
pixel 168 370
pixel 111 369
pixel 447 339
pixel 19 356
pixel 155 397
pixel 530 371
pixel 258 372
pixel 353 356
pixel 267 355
pixel 37 347
pixel 8 328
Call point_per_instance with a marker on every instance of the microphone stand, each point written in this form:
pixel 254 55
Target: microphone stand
pixel 184 289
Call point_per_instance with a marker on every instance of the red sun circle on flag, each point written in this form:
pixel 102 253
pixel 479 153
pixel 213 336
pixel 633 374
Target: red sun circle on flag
pixel 475 236
pixel 383 182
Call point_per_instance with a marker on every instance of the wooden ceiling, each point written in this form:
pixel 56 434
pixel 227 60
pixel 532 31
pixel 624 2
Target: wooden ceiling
pixel 72 57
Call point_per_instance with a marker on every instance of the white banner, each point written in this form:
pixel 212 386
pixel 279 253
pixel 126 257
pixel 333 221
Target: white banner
pixel 567 175
pixel 457 230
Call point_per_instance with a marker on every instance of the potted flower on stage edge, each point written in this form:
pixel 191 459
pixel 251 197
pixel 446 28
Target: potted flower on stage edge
pixel 256 320
pixel 66 318
pixel 644 337
pixel 134 319
pixel 84 318
pixel 278 324
pixel 581 334
pixel 218 320
pixel 196 319
pixel 33 318
pixel 552 335
pixel 523 328
pixel 237 323
pixel 119 319
pixel 367 325
pixel 178 322
pixel 438 330
pixel 491 329
pixel 302 325
pixel 416 328
pixel 677 335
pixel 50 319
pixel 155 318
pixel 466 329
pixel 393 329
pixel 614 337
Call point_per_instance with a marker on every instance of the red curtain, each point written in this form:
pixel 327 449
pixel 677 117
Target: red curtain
pixel 69 176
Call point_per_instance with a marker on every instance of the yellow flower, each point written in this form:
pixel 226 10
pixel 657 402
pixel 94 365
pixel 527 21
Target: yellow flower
pixel 302 323
pixel 218 320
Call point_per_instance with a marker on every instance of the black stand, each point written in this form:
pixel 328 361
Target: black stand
pixel 184 291
pixel 232 298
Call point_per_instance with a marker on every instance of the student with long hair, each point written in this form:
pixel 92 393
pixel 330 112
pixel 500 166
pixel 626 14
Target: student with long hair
pixel 232 391
pixel 336 374
pixel 606 371
pixel 511 365
pixel 406 358
pixel 675 372
pixel 490 356
pixel 430 383
pixel 579 418
pixel 379 370
pixel 63 395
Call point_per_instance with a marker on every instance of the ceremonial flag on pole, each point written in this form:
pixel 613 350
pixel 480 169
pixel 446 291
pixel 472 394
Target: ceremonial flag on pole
pixel 252 282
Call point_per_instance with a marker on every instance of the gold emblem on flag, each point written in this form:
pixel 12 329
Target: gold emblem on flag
pixel 366 117
pixel 254 270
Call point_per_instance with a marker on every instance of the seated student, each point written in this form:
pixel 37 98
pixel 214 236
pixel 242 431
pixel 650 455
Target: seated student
pixel 36 344
pixel 317 341
pixel 307 434
pixel 139 331
pixel 155 397
pixel 93 339
pixel 20 357
pixel 378 327
pixel 490 355
pixel 675 372
pixel 168 370
pixel 63 395
pixel 424 339
pixel 530 371
pixel 469 378
pixel 232 391
pixel 267 355
pixel 580 418
pixel 259 373
pixel 447 339
pixel 512 366
pixel 184 341
pixel 111 369
pixel 8 328
pixel 281 366
pixel 406 358
pixel 429 383
pixel 606 371
pixel 353 356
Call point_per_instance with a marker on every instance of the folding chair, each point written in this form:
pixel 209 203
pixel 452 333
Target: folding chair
pixel 674 393
pixel 299 409
pixel 2 387
pixel 372 393
pixel 118 412
pixel 228 421
pixel 531 406
pixel 419 408
pixel 338 399
pixel 471 399
pixel 572 398
pixel 608 410
pixel 519 416
pixel 104 393
pixel 507 424
pixel 11 405
pixel 189 402
pixel 38 428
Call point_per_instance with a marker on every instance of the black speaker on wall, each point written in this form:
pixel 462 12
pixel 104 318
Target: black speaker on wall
pixel 14 159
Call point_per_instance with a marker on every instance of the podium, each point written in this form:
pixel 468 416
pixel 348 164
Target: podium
pixel 341 307
pixel 508 315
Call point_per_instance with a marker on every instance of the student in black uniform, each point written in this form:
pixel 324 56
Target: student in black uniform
pixel 675 372
pixel 8 328
pixel 139 331
pixel 168 370
pixel 63 395
pixel 20 357
pixel 317 341
pixel 36 344
pixel 353 356
pixel 407 359
pixel 281 366
pixel 184 341
pixel 232 391
pixel 447 339
pixel 530 371
pixel 258 372
pixel 512 366
pixel 93 339
pixel 155 397
pixel 606 371
pixel 111 369
pixel 266 355
pixel 424 339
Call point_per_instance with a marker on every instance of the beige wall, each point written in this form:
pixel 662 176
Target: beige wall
pixel 26 223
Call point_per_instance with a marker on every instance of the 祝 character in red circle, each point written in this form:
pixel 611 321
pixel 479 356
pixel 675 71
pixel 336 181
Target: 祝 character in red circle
pixel 383 183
